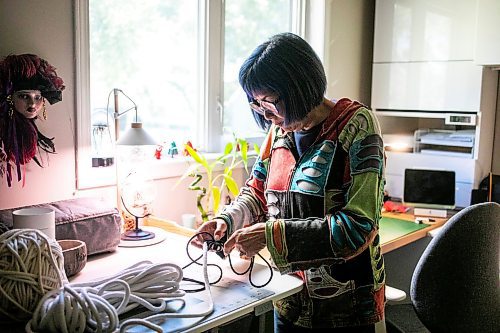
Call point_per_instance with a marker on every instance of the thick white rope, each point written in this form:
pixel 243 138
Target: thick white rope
pixel 31 264
pixel 95 306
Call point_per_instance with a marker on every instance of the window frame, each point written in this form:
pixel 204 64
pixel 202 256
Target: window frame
pixel 210 85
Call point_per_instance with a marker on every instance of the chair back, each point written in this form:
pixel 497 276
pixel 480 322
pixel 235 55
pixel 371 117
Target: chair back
pixel 455 286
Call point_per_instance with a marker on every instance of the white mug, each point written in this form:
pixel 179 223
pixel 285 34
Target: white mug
pixel 42 219
pixel 189 220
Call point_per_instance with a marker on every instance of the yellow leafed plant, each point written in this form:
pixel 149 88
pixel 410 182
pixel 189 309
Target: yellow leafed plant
pixel 209 193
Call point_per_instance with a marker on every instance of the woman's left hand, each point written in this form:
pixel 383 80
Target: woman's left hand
pixel 248 240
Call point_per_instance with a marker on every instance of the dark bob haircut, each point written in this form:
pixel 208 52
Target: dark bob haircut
pixel 288 66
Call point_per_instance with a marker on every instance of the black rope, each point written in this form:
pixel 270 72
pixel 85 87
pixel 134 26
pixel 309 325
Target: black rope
pixel 217 246
pixel 212 246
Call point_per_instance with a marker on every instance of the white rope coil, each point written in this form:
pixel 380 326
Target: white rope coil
pixel 31 264
pixel 95 306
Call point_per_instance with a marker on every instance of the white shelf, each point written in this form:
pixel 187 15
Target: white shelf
pixel 445 153
pixel 444 142
pixel 411 114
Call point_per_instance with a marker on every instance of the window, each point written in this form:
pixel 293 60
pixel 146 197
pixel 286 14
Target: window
pixel 148 49
pixel 178 61
pixel 247 24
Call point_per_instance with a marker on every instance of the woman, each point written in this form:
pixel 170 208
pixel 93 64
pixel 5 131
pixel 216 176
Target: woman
pixel 26 81
pixel 315 193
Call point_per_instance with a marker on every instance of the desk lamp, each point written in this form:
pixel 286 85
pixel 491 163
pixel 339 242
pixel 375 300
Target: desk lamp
pixel 133 190
pixel 136 135
pixel 136 196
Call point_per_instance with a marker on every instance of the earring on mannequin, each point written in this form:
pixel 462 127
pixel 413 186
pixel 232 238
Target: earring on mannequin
pixel 44 112
pixel 11 106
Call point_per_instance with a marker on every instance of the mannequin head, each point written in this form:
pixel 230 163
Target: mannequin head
pixel 26 83
pixel 29 103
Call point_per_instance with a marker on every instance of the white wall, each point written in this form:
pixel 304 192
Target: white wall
pixel 44 28
pixel 349 49
pixel 495 164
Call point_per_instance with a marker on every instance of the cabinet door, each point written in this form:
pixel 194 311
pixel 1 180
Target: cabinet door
pixel 451 86
pixel 424 30
pixel 487 50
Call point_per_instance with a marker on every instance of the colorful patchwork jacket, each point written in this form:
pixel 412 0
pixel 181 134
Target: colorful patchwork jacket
pixel 322 212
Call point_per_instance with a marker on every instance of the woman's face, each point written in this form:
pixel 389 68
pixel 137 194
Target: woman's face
pixel 267 105
pixel 29 103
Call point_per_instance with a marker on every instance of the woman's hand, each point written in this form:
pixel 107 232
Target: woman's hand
pixel 248 241
pixel 216 228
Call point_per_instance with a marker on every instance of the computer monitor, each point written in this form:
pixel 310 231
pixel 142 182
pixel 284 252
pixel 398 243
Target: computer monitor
pixel 431 192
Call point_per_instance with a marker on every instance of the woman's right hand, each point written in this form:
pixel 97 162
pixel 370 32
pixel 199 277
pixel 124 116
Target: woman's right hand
pixel 216 227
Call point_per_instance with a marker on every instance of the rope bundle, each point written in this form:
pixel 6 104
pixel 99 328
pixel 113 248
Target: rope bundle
pixel 31 264
pixel 33 285
pixel 96 306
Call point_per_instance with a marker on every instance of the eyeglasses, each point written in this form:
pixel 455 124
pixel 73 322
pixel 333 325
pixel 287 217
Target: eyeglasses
pixel 262 106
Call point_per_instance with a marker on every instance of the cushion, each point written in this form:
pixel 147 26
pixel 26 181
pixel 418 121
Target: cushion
pixel 90 220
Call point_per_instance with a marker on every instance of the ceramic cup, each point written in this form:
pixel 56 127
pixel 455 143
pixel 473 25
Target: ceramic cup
pixel 188 220
pixel 42 219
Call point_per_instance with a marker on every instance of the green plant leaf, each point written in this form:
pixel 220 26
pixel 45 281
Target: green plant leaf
pixel 256 148
pixel 197 157
pixel 243 149
pixel 216 198
pixel 230 159
pixel 228 171
pixel 244 152
pixel 228 149
pixel 231 184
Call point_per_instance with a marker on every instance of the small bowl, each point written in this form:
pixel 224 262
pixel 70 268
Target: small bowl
pixel 75 255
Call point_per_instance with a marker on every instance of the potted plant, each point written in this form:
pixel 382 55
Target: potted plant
pixel 218 182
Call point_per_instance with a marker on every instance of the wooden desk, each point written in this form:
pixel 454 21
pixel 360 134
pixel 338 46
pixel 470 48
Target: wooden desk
pixel 400 229
pixel 173 250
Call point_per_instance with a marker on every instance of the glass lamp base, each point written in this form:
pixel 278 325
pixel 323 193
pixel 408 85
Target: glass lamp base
pixel 136 235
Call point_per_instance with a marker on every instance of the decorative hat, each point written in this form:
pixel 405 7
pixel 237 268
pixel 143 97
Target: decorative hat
pixel 30 72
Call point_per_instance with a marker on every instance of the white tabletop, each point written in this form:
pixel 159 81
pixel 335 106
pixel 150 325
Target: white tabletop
pixel 173 250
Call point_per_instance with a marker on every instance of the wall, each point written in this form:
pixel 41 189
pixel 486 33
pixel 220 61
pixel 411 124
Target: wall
pixel 45 29
pixel 349 49
pixel 495 166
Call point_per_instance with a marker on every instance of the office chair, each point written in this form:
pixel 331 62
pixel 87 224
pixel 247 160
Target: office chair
pixel 455 285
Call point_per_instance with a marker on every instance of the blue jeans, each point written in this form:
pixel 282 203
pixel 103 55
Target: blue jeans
pixel 282 325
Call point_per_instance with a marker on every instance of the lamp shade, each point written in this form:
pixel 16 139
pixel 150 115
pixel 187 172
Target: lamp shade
pixel 136 136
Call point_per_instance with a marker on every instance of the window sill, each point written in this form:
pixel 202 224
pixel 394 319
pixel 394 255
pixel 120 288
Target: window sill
pixel 172 167
pixel 164 168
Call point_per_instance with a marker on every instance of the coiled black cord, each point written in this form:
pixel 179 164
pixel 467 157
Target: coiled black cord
pixel 218 246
